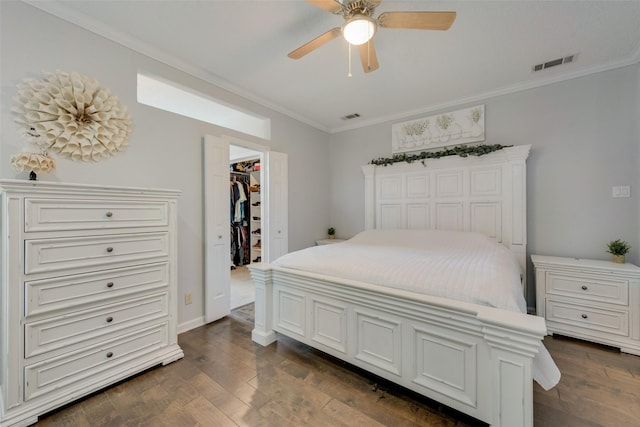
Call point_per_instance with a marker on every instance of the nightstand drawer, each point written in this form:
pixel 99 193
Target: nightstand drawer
pixel 78 214
pixel 588 318
pixel 60 293
pixel 602 290
pixel 66 330
pixel 75 252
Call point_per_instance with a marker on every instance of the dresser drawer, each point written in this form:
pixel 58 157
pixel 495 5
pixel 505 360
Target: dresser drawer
pixel 588 318
pixel 589 288
pixel 75 214
pixel 42 296
pixel 66 253
pixel 69 329
pixel 84 365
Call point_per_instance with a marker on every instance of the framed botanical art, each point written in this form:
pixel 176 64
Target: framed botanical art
pixel 440 130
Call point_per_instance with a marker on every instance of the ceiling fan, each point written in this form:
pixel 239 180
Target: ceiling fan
pixel 360 26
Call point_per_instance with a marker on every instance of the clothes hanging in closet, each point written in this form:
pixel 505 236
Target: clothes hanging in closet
pixel 239 215
pixel 239 245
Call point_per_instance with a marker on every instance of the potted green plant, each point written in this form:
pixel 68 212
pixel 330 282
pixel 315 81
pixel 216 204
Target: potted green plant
pixel 618 248
pixel 332 232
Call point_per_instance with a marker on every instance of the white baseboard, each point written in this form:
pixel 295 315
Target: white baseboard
pixel 191 324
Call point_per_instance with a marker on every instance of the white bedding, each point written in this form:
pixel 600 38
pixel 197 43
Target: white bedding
pixel 463 266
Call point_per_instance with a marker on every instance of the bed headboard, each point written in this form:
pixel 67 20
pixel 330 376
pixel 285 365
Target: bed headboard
pixel 486 194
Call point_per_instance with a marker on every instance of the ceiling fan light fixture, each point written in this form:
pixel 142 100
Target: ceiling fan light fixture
pixel 359 29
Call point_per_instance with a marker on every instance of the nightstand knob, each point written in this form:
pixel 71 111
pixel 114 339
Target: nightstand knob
pixel 109 214
pixel 109 355
pixel 584 287
pixel 109 249
pixel 584 316
pixel 110 285
pixel 109 319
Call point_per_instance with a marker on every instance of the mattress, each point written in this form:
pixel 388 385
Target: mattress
pixel 464 266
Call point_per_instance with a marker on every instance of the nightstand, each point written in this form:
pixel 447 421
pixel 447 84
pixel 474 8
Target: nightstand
pixel 590 299
pixel 328 241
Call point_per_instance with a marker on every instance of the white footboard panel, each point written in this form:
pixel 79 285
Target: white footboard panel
pixel 475 359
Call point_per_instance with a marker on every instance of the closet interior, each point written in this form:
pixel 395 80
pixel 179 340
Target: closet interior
pixel 245 213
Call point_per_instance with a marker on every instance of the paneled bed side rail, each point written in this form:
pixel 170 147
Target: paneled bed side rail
pixel 475 359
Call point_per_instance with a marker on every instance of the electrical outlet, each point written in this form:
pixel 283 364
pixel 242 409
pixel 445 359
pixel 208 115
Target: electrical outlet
pixel 187 298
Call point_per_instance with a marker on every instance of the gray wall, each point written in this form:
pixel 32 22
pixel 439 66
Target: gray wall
pixel 165 149
pixel 585 139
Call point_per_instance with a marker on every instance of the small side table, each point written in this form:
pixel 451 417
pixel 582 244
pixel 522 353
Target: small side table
pixel 328 241
pixel 590 299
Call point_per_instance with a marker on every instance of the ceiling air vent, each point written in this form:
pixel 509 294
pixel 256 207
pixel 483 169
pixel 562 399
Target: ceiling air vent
pixel 554 63
pixel 350 116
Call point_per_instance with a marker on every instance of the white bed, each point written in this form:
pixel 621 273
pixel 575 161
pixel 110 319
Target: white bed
pixel 473 350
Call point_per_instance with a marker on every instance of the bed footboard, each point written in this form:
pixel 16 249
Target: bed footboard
pixel 475 359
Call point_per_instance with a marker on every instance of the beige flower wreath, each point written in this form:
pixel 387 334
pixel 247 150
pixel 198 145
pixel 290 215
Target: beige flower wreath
pixel 75 116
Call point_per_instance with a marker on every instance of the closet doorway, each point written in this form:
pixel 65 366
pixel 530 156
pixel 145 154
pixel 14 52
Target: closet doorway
pixel 223 228
pixel 245 170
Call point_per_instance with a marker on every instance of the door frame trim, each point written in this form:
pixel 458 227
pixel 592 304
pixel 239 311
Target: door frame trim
pixel 209 288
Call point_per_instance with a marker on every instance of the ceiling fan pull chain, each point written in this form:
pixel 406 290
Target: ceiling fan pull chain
pixel 349 75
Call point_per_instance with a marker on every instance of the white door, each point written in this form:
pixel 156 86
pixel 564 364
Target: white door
pixel 216 228
pixel 277 206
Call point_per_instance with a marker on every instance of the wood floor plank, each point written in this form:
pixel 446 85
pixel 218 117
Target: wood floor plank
pixel 345 415
pixel 206 414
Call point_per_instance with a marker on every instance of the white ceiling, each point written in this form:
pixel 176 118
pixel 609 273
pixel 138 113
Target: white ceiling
pixel 242 45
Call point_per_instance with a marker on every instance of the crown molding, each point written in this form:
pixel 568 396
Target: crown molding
pixel 81 20
pixel 631 60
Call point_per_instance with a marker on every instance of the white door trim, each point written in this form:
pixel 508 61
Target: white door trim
pixel 217 277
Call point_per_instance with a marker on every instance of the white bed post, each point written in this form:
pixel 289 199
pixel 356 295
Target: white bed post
pixel 511 374
pixel 263 332
pixel 517 157
pixel 369 196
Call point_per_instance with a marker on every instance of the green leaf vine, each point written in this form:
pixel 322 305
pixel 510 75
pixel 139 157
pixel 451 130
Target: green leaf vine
pixel 460 150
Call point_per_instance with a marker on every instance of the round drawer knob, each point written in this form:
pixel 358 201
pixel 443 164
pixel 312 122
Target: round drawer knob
pixel 110 285
pixel 109 355
pixel 109 249
pixel 584 287
pixel 109 319
pixel 584 316
pixel 109 214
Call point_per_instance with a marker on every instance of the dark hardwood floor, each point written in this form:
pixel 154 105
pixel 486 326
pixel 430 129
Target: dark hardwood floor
pixel 227 380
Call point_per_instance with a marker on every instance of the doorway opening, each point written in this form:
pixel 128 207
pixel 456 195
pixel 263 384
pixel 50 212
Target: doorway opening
pixel 273 220
pixel 245 170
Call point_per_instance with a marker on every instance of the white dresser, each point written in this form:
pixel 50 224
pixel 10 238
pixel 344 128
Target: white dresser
pixel 88 291
pixel 591 299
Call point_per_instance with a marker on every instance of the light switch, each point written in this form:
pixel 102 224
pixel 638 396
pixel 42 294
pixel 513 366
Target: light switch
pixel 621 191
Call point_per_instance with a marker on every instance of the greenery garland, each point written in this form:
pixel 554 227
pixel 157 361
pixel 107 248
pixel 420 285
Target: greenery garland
pixel 460 150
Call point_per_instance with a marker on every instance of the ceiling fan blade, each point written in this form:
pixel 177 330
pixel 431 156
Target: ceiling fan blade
pixel 315 43
pixel 417 20
pixel 328 5
pixel 368 56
